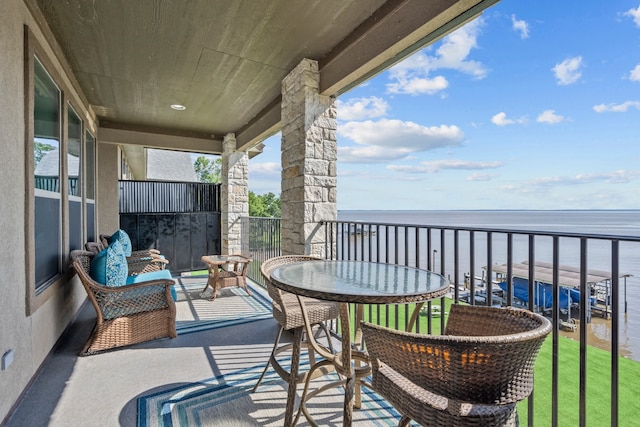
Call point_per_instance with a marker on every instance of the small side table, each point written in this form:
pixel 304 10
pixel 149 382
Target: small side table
pixel 226 271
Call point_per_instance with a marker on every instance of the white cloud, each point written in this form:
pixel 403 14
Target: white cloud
pixel 619 108
pixel 635 14
pixel 418 85
pixel 362 108
pixel 545 183
pixel 481 177
pixel 501 119
pixel 398 133
pixel 371 154
pixel 521 26
pixel 264 177
pixel 635 74
pixel 438 165
pixel 270 169
pixel 550 117
pixel 413 75
pixel 568 71
pixel 386 140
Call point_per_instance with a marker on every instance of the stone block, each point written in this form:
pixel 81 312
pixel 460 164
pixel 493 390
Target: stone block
pixel 291 172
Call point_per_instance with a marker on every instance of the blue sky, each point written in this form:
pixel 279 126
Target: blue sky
pixel 533 105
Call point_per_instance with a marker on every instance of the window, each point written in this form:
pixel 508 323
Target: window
pixel 74 178
pixel 90 185
pixel 47 204
pixel 61 175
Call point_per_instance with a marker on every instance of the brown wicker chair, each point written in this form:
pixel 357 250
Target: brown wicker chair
pixel 139 261
pixel 287 311
pixel 128 314
pixel 472 375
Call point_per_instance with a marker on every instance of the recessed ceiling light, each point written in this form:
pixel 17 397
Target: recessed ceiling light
pixel 178 107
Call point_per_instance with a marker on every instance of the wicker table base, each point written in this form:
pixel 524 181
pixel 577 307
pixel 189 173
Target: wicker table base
pixel 226 271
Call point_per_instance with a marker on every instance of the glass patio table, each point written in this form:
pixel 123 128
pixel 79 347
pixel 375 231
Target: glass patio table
pixel 359 282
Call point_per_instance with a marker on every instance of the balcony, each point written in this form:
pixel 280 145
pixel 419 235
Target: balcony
pixel 584 377
pixel 63 47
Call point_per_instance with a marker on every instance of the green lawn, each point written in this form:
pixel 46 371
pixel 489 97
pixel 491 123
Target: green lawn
pixel 598 391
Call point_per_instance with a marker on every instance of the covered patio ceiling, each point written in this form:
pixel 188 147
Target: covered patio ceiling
pixel 224 60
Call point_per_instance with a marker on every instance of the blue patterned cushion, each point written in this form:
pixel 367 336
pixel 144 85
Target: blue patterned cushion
pixel 122 237
pixel 109 266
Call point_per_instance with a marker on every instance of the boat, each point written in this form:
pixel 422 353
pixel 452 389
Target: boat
pixel 543 293
pixel 568 325
pixel 568 279
pixel 359 230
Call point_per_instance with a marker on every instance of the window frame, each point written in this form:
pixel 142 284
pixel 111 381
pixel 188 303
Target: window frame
pixel 69 98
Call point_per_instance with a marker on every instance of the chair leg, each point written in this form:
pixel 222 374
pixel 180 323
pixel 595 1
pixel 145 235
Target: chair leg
pixel 293 376
pixel 323 325
pixel 404 421
pixel 273 352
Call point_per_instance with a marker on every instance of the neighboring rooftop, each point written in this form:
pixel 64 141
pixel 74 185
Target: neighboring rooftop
pixel 165 165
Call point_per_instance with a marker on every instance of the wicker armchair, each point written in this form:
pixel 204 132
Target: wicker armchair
pixel 287 311
pixel 139 261
pixel 473 375
pixel 128 314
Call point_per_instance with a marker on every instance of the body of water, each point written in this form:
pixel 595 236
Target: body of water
pixel 599 222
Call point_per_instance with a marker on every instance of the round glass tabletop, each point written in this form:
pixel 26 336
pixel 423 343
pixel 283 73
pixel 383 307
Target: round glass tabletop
pixel 359 282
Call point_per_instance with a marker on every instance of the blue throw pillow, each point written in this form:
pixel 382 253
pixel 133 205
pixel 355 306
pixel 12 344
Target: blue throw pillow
pixel 122 237
pixel 109 267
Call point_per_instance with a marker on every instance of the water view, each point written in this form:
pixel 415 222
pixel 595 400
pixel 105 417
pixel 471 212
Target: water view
pixel 596 222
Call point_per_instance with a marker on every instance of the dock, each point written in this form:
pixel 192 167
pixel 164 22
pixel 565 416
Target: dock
pixel 568 278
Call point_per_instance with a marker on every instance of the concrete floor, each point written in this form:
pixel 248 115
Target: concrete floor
pixel 102 390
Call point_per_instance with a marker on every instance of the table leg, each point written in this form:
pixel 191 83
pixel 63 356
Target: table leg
pixel 358 343
pixel 293 376
pixel 215 281
pixel 352 376
pixel 209 280
pixel 349 373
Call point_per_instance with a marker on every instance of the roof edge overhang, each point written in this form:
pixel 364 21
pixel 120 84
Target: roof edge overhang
pixel 392 33
pixel 159 138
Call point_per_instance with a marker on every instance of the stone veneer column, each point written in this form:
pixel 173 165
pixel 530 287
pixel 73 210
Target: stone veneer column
pixel 235 194
pixel 308 161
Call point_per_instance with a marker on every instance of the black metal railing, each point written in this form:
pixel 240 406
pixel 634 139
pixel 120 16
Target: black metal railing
pixel 262 237
pixel 52 183
pixel 482 263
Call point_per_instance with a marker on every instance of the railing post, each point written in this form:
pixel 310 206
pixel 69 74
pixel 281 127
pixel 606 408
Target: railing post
pixel 615 326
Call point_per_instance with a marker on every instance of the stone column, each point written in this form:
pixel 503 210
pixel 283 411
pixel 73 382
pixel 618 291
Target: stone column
pixel 235 194
pixel 308 161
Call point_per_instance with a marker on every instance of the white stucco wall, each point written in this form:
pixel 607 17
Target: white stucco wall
pixel 107 191
pixel 14 327
pixel 30 337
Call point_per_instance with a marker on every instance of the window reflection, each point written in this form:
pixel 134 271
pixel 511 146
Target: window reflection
pixel 74 144
pixel 46 130
pixel 47 203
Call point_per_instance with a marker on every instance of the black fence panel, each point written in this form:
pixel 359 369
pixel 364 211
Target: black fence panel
pixel 180 219
pixel 183 238
pixel 162 196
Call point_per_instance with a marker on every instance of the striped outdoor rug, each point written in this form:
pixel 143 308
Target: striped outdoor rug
pixel 232 306
pixel 228 401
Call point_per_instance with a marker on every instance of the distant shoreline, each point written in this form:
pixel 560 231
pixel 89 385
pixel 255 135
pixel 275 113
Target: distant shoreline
pixel 489 210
